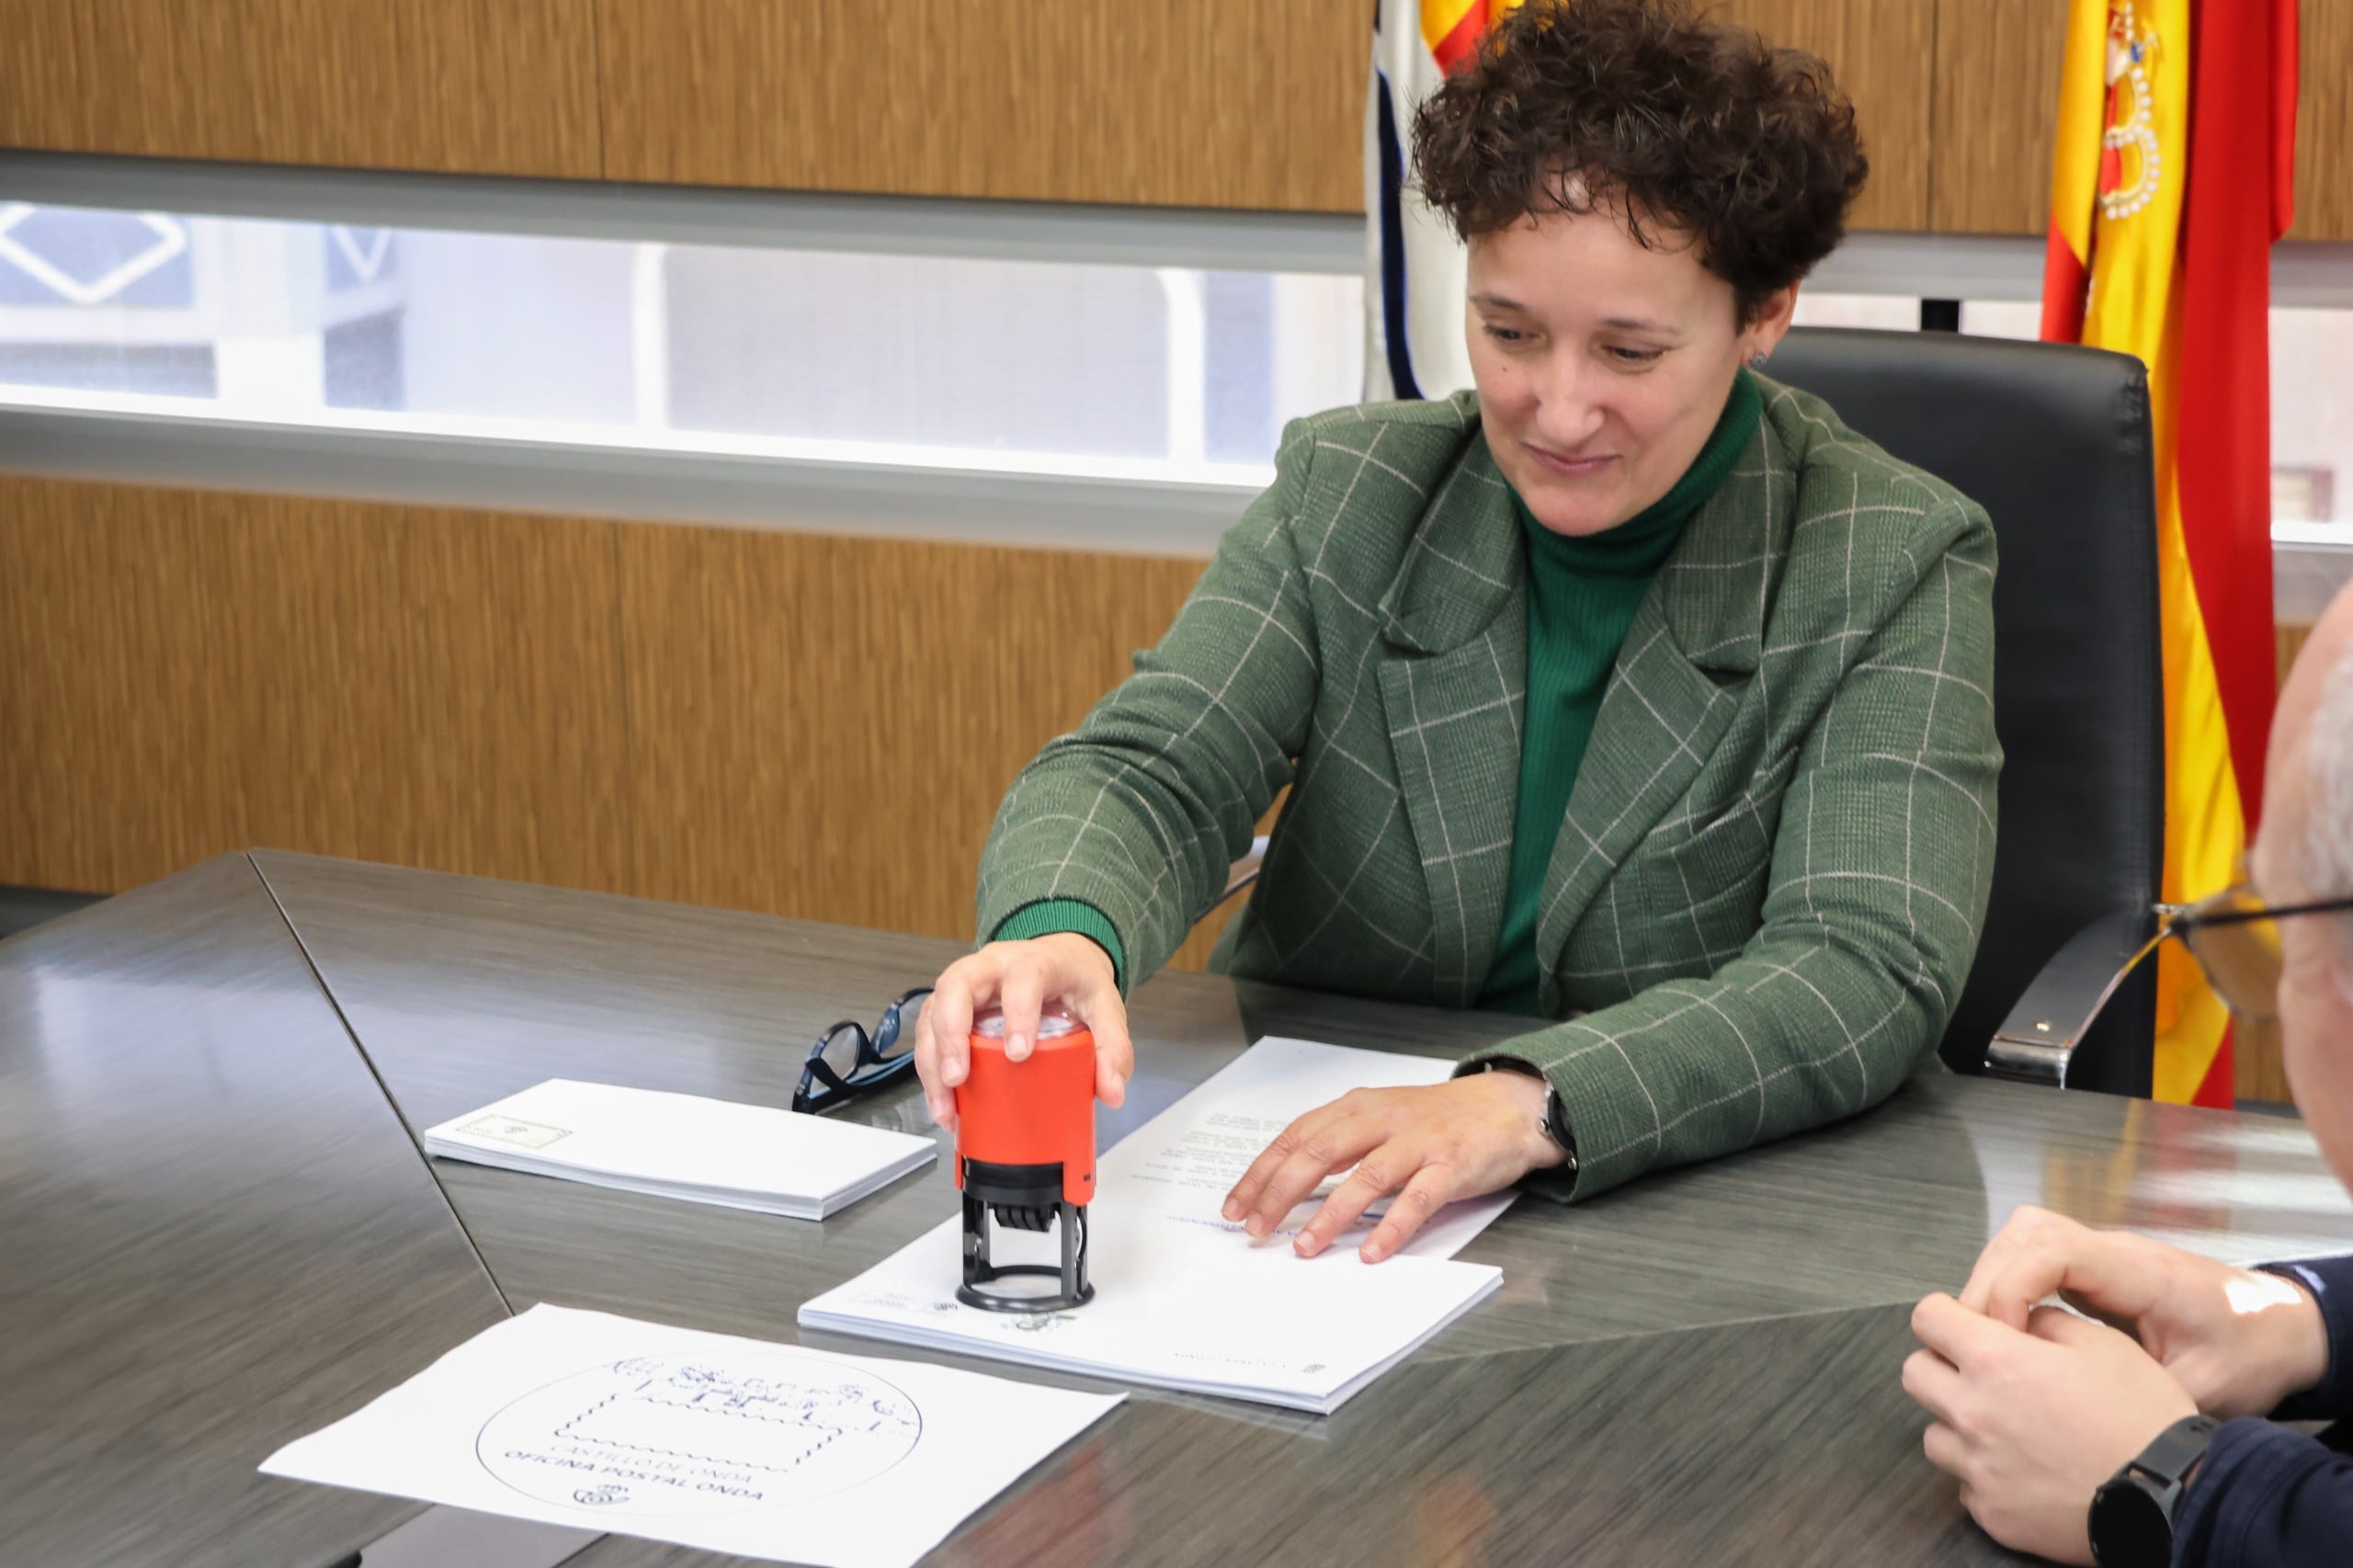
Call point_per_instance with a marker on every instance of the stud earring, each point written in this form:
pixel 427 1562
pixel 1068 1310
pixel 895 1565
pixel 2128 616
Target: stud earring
pixel 1756 361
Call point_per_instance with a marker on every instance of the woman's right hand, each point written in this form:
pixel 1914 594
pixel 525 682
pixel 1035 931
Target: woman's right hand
pixel 1021 978
pixel 2239 1341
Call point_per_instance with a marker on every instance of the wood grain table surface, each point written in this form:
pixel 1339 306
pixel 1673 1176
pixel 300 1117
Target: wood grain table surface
pixel 216 1234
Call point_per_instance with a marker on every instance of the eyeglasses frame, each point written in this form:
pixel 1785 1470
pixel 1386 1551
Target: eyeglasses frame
pixel 2035 1049
pixel 840 1090
pixel 2183 920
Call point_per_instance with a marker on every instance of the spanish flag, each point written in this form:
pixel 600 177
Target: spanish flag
pixel 2172 177
pixel 1414 308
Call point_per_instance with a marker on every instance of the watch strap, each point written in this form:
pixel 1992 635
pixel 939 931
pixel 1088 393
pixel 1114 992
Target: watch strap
pixel 2130 1524
pixel 1556 1126
pixel 2175 1450
pixel 1555 1121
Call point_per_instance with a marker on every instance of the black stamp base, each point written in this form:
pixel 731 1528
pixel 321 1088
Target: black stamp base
pixel 1026 1197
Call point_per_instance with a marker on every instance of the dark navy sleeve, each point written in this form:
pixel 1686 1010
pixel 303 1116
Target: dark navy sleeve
pixel 2266 1498
pixel 2330 1280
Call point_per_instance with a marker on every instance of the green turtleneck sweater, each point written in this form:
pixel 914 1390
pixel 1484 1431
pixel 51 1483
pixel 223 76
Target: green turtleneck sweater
pixel 1582 595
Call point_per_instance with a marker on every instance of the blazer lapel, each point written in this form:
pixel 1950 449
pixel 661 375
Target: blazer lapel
pixel 1453 690
pixel 1696 640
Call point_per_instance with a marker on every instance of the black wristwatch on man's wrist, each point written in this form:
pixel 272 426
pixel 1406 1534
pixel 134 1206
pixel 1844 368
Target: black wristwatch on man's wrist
pixel 2131 1520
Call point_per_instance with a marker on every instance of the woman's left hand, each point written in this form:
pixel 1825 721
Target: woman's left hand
pixel 1428 1145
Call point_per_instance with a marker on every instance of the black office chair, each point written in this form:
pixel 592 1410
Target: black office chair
pixel 2055 442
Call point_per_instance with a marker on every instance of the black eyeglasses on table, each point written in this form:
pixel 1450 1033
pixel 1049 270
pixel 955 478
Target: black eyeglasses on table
pixel 848 1063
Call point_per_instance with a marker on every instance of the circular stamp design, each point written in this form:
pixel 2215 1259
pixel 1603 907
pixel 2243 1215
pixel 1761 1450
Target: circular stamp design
pixel 684 1435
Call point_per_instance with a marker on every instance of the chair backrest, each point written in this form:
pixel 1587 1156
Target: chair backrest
pixel 2055 442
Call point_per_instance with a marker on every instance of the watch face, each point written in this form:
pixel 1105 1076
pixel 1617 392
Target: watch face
pixel 2129 1527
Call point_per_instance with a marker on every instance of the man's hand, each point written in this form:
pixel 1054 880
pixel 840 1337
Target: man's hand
pixel 1021 978
pixel 2031 1423
pixel 2240 1342
pixel 1428 1145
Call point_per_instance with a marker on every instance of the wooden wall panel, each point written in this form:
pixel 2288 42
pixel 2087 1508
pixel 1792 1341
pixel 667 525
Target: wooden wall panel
pixel 183 673
pixel 503 87
pixel 790 723
pixel 1995 106
pixel 1883 55
pixel 2325 122
pixel 2288 641
pixel 1215 103
pixel 1210 103
pixel 824 726
pixel 2258 1069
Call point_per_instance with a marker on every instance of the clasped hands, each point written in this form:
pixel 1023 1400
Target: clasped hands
pixel 1426 1146
pixel 2034 1406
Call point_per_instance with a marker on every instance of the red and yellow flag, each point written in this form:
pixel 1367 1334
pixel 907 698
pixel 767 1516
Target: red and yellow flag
pixel 2171 179
pixel 1451 28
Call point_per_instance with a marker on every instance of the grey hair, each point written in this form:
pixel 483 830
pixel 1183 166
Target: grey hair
pixel 2326 863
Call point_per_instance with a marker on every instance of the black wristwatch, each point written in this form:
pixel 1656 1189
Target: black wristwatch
pixel 1556 1127
pixel 1556 1111
pixel 2131 1522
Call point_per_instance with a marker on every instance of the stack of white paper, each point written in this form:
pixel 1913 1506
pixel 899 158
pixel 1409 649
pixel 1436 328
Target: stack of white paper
pixel 1178 1305
pixel 731 1445
pixel 743 1156
pixel 1184 1299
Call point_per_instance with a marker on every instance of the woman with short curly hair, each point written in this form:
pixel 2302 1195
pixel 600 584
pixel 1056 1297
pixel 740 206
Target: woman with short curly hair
pixel 1632 692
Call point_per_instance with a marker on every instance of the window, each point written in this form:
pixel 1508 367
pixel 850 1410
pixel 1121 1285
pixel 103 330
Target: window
pixel 2311 425
pixel 1038 358
pixel 1164 372
pixel 1880 313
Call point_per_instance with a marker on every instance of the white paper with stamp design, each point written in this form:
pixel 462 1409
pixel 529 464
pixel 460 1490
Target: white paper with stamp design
pixel 700 1439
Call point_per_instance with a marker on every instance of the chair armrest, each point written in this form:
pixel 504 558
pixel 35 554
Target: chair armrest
pixel 1245 871
pixel 2059 1007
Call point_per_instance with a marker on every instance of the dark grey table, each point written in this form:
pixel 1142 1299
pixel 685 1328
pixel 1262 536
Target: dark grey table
pixel 216 1234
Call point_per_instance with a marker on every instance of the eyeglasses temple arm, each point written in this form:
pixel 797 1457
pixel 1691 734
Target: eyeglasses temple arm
pixel 2038 1040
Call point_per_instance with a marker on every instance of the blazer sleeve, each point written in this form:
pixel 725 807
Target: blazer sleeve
pixel 1874 898
pixel 1141 811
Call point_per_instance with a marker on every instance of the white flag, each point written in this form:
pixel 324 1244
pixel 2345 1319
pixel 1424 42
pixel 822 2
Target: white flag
pixel 1414 307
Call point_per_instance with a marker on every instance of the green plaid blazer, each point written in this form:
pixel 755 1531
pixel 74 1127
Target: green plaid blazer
pixel 1769 885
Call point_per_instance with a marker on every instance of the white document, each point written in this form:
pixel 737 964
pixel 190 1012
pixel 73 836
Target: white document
pixel 1178 1304
pixel 1184 1161
pixel 1184 1298
pixel 704 1151
pixel 700 1439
